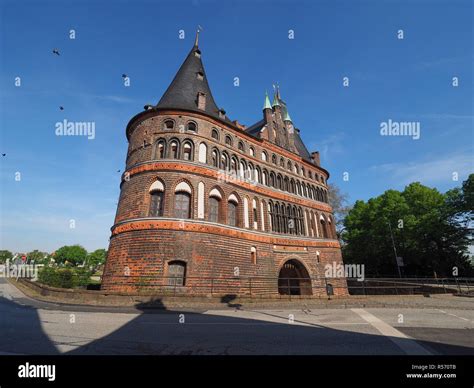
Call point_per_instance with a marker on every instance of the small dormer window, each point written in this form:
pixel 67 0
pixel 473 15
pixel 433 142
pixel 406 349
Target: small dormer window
pixel 191 126
pixel 201 101
pixel 200 75
pixel 168 124
pixel 221 113
pixel 197 53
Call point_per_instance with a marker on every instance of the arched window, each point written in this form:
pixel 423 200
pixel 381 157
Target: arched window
pixel 191 126
pixel 243 168
pixel 324 230
pixel 265 177
pixel 160 149
pixel 258 176
pixel 228 141
pixel 282 162
pixel 292 186
pixel 215 134
pixel 168 125
pixel 174 149
pixel 272 179
pixel 301 221
pixel 252 151
pixel 276 217
pixel 214 209
pixel 187 151
pixel 234 164
pixel 271 216
pixel 176 273
pixel 311 224
pixel 215 158
pixel 274 159
pixel 291 220
pixel 288 166
pixel 286 184
pixel 241 146
pixel 284 220
pixel 250 172
pixel 264 156
pixel 182 201
pixel 255 214
pixel 156 199
pixel 294 215
pixel 224 161
pixel 232 212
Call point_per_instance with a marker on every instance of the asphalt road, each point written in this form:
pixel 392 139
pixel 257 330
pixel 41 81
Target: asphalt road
pixel 31 327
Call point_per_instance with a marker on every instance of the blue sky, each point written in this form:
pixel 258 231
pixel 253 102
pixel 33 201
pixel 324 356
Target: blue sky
pixel 64 178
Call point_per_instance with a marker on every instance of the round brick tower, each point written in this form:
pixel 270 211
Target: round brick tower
pixel 208 206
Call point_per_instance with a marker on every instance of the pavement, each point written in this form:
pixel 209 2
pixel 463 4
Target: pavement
pixel 444 326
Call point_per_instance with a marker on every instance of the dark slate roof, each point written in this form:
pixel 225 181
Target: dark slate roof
pixel 255 129
pixel 183 90
pixel 302 150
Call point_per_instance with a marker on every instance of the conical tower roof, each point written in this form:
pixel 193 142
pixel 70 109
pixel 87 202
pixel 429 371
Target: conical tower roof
pixel 188 82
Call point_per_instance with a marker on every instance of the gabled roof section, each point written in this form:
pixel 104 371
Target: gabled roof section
pixel 188 82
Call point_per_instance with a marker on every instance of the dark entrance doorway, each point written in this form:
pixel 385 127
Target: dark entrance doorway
pixel 294 279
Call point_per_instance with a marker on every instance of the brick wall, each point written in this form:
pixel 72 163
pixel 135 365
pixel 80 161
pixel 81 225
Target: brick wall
pixel 141 247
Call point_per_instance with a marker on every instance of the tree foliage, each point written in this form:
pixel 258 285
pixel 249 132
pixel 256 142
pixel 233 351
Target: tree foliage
pixel 429 228
pixel 70 254
pixel 5 255
pixel 338 202
pixel 96 258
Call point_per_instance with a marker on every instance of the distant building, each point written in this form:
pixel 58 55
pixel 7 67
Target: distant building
pixel 208 205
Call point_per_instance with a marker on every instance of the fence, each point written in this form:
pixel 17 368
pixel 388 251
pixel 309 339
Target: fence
pixel 291 287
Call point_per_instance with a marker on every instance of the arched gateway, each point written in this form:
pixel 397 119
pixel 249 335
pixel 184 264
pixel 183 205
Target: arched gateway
pixel 294 279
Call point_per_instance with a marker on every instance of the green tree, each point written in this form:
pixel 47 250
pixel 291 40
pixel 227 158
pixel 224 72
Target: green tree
pixel 338 202
pixel 426 232
pixel 96 258
pixel 71 254
pixel 5 255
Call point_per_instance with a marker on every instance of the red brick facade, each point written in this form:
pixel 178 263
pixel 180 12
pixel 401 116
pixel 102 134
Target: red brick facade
pixel 282 218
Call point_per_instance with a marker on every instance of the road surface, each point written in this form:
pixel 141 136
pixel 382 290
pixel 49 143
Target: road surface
pixel 32 327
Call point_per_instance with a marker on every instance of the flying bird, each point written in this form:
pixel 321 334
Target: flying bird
pixel 124 75
pixel 4 154
pixel 56 51
pixel 61 108
pixel 118 170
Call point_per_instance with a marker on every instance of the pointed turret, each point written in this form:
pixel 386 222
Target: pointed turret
pixel 189 89
pixel 286 116
pixel 276 100
pixel 266 104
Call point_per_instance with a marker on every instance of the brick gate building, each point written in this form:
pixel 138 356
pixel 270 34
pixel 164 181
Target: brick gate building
pixel 208 205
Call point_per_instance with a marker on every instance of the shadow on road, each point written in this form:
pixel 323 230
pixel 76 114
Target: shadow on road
pixel 158 330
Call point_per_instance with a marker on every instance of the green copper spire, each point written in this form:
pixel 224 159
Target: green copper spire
pixel 267 105
pixel 276 101
pixel 287 116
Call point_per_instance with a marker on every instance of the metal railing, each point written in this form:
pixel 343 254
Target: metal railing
pixel 255 287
